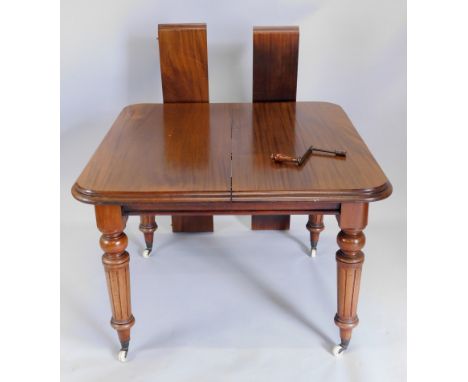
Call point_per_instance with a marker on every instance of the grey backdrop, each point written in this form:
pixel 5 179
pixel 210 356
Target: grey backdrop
pixel 352 53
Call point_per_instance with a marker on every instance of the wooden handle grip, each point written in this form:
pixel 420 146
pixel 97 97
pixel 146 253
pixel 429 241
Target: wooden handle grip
pixel 284 158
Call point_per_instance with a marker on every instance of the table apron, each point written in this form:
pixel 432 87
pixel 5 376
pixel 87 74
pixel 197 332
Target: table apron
pixel 236 208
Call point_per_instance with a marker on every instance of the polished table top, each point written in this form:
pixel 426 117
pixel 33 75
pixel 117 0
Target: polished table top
pixel 208 152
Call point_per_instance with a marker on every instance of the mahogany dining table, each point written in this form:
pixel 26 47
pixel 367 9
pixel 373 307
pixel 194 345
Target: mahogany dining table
pixel 204 159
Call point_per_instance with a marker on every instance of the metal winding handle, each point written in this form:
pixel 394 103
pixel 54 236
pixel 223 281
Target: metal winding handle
pixel 281 158
pixel 337 153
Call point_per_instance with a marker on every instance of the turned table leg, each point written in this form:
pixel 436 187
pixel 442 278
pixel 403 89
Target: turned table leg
pixel 113 241
pixel 148 226
pixel 349 258
pixel 315 226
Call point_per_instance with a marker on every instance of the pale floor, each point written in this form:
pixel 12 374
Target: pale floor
pixel 235 305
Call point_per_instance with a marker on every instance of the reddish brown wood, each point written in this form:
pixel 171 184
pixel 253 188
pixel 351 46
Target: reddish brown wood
pixel 263 128
pixel 187 223
pixel 315 226
pixel 184 72
pixel 148 226
pixel 199 223
pixel 270 222
pixel 184 62
pixel 186 151
pixel 189 163
pixel 275 60
pixel 349 258
pixel 230 208
pixel 113 241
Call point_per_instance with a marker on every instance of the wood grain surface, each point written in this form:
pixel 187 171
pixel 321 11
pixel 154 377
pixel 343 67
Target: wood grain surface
pixel 275 60
pixel 184 62
pixel 261 129
pixel 184 72
pixel 188 156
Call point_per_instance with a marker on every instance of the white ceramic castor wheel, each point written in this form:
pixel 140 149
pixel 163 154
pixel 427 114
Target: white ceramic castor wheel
pixel 147 253
pixel 338 350
pixel 313 252
pixel 123 355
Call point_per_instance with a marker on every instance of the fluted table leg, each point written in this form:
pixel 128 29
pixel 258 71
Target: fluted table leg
pixel 115 260
pixel 349 258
